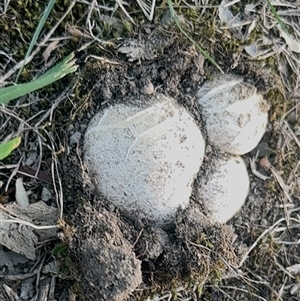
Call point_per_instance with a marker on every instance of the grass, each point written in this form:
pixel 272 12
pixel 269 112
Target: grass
pixel 57 72
pixel 37 33
pixel 7 94
pixel 277 17
pixel 202 51
pixel 272 245
pixel 7 147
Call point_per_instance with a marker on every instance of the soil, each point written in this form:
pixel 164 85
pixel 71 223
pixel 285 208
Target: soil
pixel 114 257
pixel 109 248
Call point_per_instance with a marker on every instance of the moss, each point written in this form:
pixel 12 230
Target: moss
pixel 20 22
pixel 271 186
pixel 128 28
pixel 278 103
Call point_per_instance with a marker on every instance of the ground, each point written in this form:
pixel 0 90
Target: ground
pixel 253 257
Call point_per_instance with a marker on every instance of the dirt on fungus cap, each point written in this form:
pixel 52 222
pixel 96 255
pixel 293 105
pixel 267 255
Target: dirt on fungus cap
pixel 224 191
pixel 145 159
pixel 236 114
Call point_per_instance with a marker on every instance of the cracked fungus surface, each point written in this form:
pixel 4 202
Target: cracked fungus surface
pixel 236 115
pixel 144 160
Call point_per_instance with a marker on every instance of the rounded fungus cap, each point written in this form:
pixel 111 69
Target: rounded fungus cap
pixel 144 160
pixel 236 115
pixel 224 191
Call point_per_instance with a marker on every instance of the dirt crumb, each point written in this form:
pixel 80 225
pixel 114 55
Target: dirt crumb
pixel 108 268
pixel 208 246
pixel 152 244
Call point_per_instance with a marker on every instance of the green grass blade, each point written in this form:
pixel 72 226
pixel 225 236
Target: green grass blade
pixel 57 72
pixel 202 51
pixel 7 147
pixel 37 32
pixel 274 12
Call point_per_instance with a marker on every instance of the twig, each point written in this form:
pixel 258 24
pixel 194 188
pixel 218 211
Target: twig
pixel 21 276
pixel 258 239
pixel 55 174
pixel 138 237
pixel 238 289
pixel 120 3
pixel 291 133
pixel 6 3
pixel 12 294
pixel 25 223
pixel 14 172
pixel 58 100
pixel 17 220
pixel 281 184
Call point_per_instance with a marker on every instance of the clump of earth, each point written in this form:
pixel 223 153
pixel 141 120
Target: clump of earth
pixel 116 253
pixel 114 257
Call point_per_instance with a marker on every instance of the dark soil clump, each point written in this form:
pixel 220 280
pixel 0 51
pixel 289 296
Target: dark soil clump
pixel 107 264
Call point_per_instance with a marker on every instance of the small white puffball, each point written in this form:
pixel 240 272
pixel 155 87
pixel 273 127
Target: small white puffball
pixel 236 115
pixel 224 189
pixel 144 160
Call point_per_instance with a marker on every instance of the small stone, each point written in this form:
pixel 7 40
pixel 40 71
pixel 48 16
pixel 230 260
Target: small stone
pixel 262 149
pixel 147 89
pixel 46 195
pixel 32 158
pixel 75 138
pixel 265 163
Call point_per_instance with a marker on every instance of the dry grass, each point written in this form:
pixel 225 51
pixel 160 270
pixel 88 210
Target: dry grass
pixel 251 32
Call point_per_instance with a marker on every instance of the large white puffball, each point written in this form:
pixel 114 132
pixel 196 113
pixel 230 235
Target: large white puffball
pixel 144 160
pixel 236 115
pixel 224 190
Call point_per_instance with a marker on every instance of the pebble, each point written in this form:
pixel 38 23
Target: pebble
pixel 147 89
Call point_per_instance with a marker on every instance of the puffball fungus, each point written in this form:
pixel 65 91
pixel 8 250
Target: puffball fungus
pixel 236 115
pixel 144 160
pixel 225 190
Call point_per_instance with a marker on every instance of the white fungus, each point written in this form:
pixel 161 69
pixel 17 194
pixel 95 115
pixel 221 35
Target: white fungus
pixel 144 160
pixel 236 115
pixel 224 191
